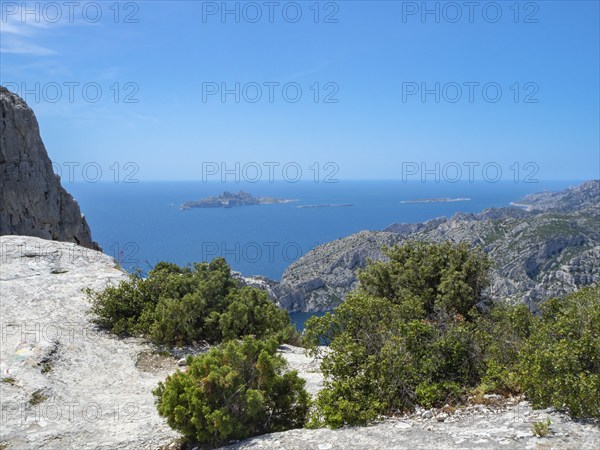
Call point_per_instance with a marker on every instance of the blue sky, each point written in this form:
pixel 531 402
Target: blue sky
pixel 370 56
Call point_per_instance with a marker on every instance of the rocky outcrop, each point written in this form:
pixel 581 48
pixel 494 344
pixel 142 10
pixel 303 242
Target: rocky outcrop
pixel 319 280
pixel 32 201
pixel 65 384
pixel 550 246
pixel 259 282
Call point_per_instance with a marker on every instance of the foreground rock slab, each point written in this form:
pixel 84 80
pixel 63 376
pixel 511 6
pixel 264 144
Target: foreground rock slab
pixel 477 427
pixel 65 384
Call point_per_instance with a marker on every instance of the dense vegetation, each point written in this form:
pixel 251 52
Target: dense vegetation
pixel 405 337
pixel 182 305
pixel 418 331
pixel 234 391
pixel 560 361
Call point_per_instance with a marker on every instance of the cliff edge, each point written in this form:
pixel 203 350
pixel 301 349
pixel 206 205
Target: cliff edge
pixel 32 200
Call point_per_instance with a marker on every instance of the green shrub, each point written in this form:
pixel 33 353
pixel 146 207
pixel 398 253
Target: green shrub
pixel 175 305
pixel 37 397
pixel 250 312
pixel 560 362
pixel 500 336
pixel 423 278
pixel 541 429
pixel 234 391
pixel 432 394
pixel 118 308
pixel 405 337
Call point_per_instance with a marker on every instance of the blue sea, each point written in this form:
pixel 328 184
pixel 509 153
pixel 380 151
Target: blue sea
pixel 140 224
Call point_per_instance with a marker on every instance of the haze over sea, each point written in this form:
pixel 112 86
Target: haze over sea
pixel 140 224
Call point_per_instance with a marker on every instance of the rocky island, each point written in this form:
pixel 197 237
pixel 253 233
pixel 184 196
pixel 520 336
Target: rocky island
pixel 229 200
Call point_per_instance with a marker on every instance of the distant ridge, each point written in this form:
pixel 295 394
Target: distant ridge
pixel 549 249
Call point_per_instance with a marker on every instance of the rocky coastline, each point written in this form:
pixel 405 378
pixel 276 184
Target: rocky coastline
pixel 550 247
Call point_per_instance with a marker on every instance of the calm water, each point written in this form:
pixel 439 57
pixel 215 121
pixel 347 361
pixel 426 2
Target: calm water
pixel 140 224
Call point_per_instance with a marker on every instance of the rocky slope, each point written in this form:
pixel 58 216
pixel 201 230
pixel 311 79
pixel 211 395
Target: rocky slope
pixel 548 247
pixel 320 279
pixel 32 200
pixel 66 384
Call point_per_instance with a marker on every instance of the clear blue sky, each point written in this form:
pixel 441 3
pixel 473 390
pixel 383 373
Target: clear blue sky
pixel 369 55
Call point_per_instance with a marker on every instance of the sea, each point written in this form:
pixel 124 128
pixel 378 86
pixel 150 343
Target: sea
pixel 141 223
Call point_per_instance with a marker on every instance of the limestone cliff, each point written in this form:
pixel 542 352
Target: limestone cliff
pixel 32 200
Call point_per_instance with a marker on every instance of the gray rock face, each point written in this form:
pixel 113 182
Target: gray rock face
pixel 32 200
pixel 551 248
pixel 259 282
pixel 65 384
pixel 319 280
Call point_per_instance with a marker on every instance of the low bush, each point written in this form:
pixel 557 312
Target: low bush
pixel 236 390
pixel 175 306
pixel 541 428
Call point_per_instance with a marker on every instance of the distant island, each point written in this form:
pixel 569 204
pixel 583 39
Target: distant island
pixel 328 205
pixel 437 200
pixel 229 200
